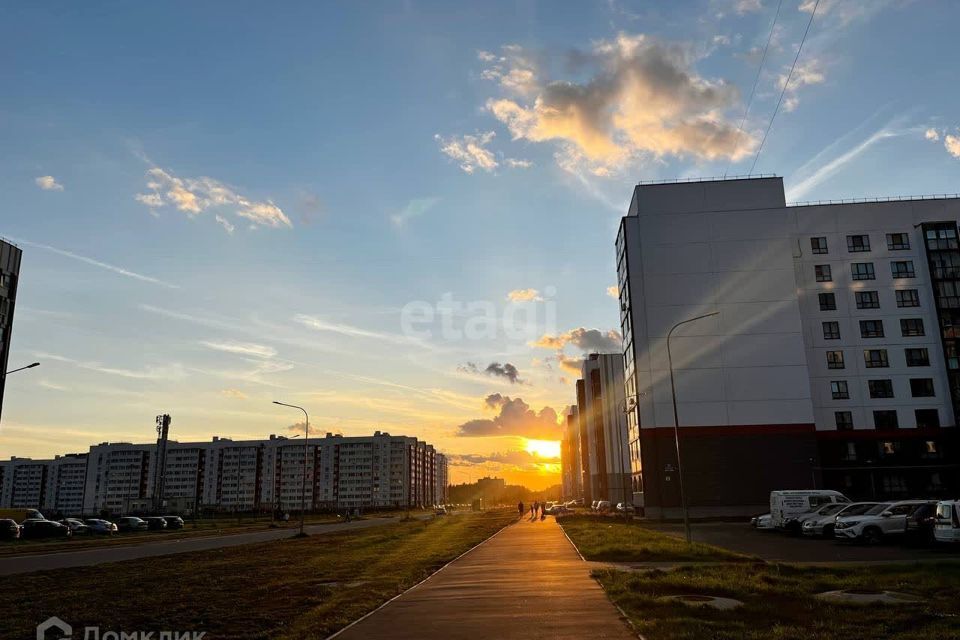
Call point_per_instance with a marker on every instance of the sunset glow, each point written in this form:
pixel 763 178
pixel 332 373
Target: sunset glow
pixel 543 448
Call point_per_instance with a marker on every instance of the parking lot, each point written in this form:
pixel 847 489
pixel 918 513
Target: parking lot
pixel 778 546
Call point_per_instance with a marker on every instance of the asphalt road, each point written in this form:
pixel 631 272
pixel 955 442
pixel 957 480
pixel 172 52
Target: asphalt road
pixel 12 565
pixel 779 547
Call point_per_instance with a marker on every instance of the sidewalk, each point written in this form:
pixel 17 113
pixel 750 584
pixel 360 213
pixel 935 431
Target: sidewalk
pixel 525 582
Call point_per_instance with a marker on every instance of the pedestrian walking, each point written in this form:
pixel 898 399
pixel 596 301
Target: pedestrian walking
pixel 520 508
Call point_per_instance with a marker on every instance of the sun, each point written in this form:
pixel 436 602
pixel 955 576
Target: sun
pixel 543 448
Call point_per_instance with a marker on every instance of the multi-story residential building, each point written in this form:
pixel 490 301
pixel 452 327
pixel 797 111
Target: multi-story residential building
pixel 571 477
pixel 9 275
pixel 378 471
pixel 830 362
pixel 582 445
pixel 606 426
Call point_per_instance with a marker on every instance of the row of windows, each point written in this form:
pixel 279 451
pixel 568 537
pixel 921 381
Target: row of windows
pixel 887 419
pixel 870 299
pixel 866 271
pixel 919 388
pixel 861 243
pixel 909 327
pixel 877 358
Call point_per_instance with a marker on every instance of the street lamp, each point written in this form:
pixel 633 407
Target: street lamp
pixel 676 423
pixel 628 405
pixel 306 436
pixel 29 366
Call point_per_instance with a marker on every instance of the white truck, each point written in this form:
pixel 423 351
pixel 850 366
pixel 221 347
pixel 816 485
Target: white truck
pixel 786 507
pixel 946 528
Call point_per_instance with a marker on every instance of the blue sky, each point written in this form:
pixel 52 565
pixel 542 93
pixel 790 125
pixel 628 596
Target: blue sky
pixel 221 204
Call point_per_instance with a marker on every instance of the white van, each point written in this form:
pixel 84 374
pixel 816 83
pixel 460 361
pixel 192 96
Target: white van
pixel 786 507
pixel 946 527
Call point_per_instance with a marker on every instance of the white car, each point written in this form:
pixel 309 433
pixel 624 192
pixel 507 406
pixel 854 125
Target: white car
pixel 764 522
pixel 946 527
pixel 786 506
pixel 603 506
pixel 821 523
pixel 885 520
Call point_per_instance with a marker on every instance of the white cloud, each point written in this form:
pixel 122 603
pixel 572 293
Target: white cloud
pixel 48 183
pixel 748 6
pixel 96 263
pixel 241 348
pixel 931 134
pixel 524 295
pixel 226 224
pixel 160 372
pixel 632 95
pixel 193 196
pixel 806 73
pixel 234 394
pixel 470 151
pixel 721 40
pixel 516 163
pixel 413 209
pixel 952 144
pixel 613 292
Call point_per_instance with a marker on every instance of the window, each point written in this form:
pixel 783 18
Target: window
pixel 839 390
pixel 828 301
pixel 875 358
pixel 850 451
pixel 948 294
pixel 908 298
pixel 831 330
pixel 862 271
pixel 929 418
pixel 818 245
pixel 858 244
pixel 917 357
pixel 822 272
pixel 902 269
pixel 871 328
pixel 880 388
pixel 898 241
pixel 945 265
pixel 921 387
pixel 834 359
pixel 911 327
pixel 867 300
pixel 885 420
pixel 844 420
pixel 888 448
pixel 942 239
pixel 930 449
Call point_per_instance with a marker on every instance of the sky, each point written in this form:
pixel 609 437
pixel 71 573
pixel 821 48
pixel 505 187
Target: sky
pixel 401 215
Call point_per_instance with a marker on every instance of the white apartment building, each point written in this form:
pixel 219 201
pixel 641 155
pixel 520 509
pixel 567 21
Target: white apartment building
pixel 379 471
pixel 604 414
pixel 831 361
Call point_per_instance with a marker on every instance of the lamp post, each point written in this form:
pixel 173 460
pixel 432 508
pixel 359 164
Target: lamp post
pixel 306 437
pixel 628 405
pixel 676 423
pixel 29 366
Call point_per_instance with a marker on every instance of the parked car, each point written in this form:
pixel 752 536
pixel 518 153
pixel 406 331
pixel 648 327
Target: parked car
pixel 131 523
pixel 593 505
pixel 556 509
pixel 625 508
pixel 823 524
pixel 9 529
pixel 103 527
pixel 174 522
pixel 604 506
pixel 883 521
pixel 76 526
pixel 921 523
pixel 763 522
pixel 155 523
pixel 785 506
pixel 441 511
pixel 36 528
pixel 947 527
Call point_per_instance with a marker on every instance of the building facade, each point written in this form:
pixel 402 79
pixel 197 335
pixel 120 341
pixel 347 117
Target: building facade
pixel 223 475
pixel 9 276
pixel 606 426
pixel 828 363
pixel 571 474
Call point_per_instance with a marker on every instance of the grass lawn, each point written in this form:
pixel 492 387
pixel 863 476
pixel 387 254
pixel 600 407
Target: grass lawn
pixel 779 602
pixel 613 540
pixel 293 588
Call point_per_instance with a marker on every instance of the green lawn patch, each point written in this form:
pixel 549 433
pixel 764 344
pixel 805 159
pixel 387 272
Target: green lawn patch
pixel 293 588
pixel 779 602
pixel 611 539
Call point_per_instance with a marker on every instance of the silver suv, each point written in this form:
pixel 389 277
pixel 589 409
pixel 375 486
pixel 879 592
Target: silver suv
pixel 884 520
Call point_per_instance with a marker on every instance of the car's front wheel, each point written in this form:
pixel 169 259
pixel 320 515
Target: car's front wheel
pixel 872 535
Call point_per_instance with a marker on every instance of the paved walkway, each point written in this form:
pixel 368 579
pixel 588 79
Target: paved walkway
pixel 527 582
pixel 10 565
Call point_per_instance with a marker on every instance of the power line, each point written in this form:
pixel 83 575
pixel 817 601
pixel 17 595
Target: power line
pixel 785 85
pixel 755 82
